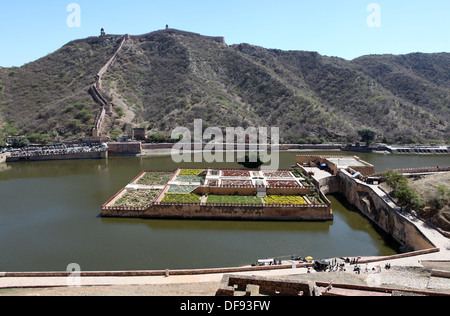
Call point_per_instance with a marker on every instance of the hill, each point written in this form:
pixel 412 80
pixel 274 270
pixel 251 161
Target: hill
pixel 168 78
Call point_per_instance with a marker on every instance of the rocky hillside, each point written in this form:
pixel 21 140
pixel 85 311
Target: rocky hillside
pixel 168 78
pixel 435 191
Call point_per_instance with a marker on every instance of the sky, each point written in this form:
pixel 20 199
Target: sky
pixel 31 29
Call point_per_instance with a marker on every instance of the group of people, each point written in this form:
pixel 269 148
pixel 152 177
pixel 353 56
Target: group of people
pixel 336 266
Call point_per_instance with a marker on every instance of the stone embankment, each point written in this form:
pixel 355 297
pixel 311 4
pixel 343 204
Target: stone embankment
pixel 409 231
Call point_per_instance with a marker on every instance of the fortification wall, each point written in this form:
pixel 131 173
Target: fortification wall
pixel 217 39
pixel 94 90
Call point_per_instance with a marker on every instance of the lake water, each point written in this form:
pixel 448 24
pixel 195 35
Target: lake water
pixel 49 218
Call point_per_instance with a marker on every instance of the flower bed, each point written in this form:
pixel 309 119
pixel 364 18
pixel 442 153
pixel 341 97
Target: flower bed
pixel 233 199
pixel 315 199
pixel 190 172
pixel 213 183
pixel 182 188
pixel 300 174
pixel 189 179
pixel 282 184
pixel 177 198
pixel 139 198
pixel 155 178
pixel 277 174
pixel 235 173
pixel 236 183
pixel 285 200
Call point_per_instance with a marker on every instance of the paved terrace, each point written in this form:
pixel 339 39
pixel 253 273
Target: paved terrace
pixel 373 274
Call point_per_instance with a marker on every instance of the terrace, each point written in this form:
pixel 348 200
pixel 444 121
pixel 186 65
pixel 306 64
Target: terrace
pixel 142 192
pixel 205 189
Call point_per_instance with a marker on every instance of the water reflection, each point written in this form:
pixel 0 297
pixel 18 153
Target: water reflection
pixel 228 226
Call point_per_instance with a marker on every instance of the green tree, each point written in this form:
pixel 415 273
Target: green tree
pixel 405 194
pixel 20 142
pixel 367 136
pixel 116 133
pixel 252 162
pixel 395 180
pixel 42 139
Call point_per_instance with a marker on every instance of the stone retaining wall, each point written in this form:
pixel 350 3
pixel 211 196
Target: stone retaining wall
pixel 226 212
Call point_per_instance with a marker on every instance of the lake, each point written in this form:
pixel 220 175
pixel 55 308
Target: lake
pixel 49 218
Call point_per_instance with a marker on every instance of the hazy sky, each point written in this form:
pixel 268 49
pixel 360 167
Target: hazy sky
pixel 31 29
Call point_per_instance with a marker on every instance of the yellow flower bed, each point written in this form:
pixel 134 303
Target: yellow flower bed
pixel 285 200
pixel 190 172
